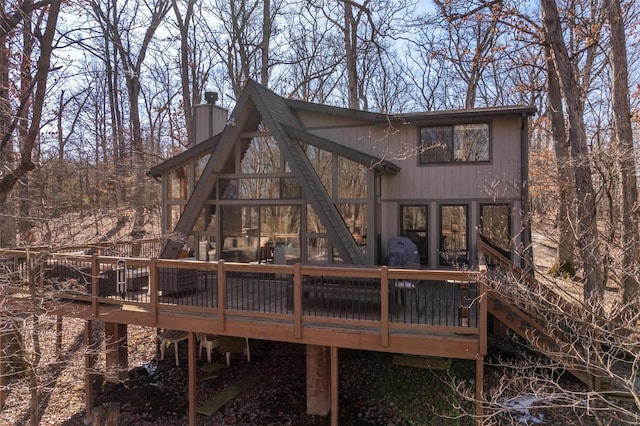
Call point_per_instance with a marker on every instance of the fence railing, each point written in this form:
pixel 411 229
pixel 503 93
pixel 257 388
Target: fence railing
pixel 148 248
pixel 300 295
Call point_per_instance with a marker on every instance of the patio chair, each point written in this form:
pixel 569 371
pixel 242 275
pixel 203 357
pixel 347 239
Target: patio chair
pixel 230 344
pixel 403 253
pixel 402 287
pixel 208 342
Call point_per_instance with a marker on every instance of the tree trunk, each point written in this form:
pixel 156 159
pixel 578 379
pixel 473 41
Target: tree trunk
pixel 566 240
pixel 621 108
pixel 587 232
pixel 351 55
pixel 266 39
pixel 7 211
pixel 185 77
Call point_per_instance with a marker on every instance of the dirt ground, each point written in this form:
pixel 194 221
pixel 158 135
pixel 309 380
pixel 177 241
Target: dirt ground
pixel 372 388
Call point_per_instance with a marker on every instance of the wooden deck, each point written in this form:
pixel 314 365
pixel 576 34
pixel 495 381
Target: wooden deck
pixel 416 312
pixel 275 302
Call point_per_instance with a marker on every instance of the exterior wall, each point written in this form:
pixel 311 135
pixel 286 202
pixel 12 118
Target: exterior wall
pixel 473 184
pixel 498 178
pixel 495 182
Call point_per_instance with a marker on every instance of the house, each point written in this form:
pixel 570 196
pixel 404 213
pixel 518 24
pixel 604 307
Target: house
pixel 285 181
pixel 281 189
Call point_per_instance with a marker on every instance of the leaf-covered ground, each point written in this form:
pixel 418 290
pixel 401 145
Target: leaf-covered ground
pixel 373 391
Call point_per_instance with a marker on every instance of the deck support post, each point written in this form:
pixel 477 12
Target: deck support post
pixel 192 378
pixel 479 387
pixel 335 388
pixel 3 371
pixel 318 380
pixel 58 337
pixel 117 358
pixel 90 357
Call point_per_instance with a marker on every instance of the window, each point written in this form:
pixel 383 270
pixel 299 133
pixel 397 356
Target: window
pixel 495 224
pixel 414 226
pixel 260 233
pixel 454 225
pixel 464 143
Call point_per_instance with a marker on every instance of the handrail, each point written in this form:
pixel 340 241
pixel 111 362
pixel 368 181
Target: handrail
pixel 538 288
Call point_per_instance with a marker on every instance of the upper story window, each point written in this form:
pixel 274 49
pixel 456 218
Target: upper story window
pixel 458 143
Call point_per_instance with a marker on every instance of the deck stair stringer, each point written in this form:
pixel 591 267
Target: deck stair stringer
pixel 524 321
pixel 536 334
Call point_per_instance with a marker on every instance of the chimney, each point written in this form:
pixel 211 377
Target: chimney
pixel 208 118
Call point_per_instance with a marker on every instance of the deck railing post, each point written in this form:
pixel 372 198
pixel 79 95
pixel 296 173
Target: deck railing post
pixel 153 289
pixel 384 306
pixel 95 282
pixel 482 289
pixel 297 301
pixel 222 294
pixel 89 367
pixel 479 387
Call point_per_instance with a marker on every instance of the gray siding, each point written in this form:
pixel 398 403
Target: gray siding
pixel 498 178
pixel 498 181
pixel 209 120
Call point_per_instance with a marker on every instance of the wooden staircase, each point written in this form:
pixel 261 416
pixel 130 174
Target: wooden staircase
pixel 526 323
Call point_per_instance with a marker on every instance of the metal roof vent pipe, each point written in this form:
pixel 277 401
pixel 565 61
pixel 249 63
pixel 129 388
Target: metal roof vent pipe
pixel 211 97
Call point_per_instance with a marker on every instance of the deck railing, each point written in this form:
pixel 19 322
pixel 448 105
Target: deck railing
pixel 434 301
pixel 147 248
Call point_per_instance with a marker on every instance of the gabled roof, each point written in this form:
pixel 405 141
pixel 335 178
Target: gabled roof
pixel 342 150
pixel 412 117
pixel 259 104
pixel 298 132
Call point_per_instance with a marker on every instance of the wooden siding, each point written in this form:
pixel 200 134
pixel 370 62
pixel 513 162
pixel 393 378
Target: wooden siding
pixel 498 178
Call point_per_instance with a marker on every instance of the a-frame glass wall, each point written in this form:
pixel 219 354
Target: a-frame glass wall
pixel 258 213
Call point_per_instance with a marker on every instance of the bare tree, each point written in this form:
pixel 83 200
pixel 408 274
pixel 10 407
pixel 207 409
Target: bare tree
pixel 555 111
pixel 123 37
pixel 563 336
pixel 313 56
pixel 470 46
pixel 19 163
pixel 623 138
pixel 588 240
pixel 242 39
